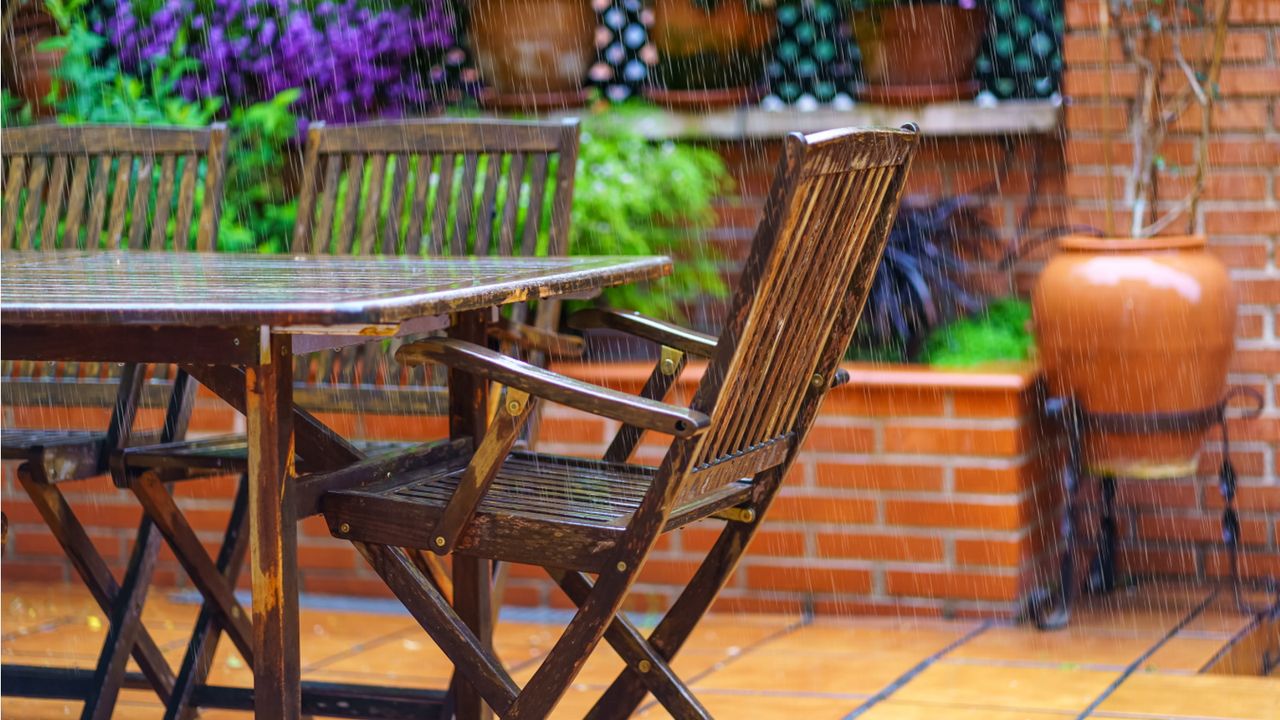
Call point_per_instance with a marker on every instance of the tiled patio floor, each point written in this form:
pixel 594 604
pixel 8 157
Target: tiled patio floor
pixel 1134 655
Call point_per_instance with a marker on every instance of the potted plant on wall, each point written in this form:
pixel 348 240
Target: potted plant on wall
pixel 28 64
pixel 533 54
pixel 918 51
pixel 1141 322
pixel 711 53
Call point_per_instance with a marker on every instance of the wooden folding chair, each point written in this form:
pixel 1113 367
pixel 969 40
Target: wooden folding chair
pixel 592 523
pixel 86 188
pixel 431 188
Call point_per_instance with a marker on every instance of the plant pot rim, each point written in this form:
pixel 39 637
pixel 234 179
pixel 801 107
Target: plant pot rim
pixel 1087 243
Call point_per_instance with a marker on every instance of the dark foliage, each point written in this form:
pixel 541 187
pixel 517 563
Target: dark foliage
pixel 926 278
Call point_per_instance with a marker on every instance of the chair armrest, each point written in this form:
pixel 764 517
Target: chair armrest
pixel 531 338
pixel 629 409
pixel 633 323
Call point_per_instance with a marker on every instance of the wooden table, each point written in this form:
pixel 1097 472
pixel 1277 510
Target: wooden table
pixel 234 322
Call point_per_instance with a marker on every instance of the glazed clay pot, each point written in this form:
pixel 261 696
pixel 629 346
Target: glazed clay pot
pixel 29 70
pixel 716 56
pixel 533 54
pixel 1136 326
pixel 919 52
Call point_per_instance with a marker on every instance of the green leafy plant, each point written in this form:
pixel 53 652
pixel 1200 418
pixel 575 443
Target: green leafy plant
pixel 637 197
pixel 1000 333
pixel 88 89
pixel 257 214
pixel 16 112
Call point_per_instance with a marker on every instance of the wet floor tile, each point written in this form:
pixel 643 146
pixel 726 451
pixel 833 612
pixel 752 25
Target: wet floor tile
pixel 825 673
pixel 1006 687
pixel 1196 696
pixel 764 706
pixel 877 636
pixel 1070 646
pixel 897 710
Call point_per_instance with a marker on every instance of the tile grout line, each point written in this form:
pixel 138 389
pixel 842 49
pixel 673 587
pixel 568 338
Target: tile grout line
pixel 39 629
pixel 805 620
pixel 920 667
pixel 358 648
pixel 1238 637
pixel 1133 666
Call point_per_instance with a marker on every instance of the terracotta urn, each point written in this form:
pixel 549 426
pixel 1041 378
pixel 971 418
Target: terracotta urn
pixel 918 52
pixel 28 69
pixel 533 54
pixel 709 53
pixel 1137 326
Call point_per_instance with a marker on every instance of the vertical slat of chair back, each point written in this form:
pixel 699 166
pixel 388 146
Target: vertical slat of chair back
pixel 95 186
pixel 92 187
pixel 802 289
pixel 433 188
pixel 437 187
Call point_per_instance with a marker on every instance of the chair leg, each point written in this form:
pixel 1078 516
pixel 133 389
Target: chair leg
pixel 208 628
pixel 123 625
pixel 419 596
pixel 639 655
pixel 70 534
pixel 558 669
pixel 433 568
pixel 628 690
pixel 207 577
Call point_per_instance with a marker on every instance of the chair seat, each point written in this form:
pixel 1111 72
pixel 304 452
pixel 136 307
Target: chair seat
pixel 65 454
pixel 222 454
pixel 18 443
pixel 539 506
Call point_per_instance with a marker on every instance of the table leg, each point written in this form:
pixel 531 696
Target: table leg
pixel 272 535
pixel 471 576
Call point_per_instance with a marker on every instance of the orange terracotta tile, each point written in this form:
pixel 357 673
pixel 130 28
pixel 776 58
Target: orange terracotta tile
pixel 897 710
pixel 1070 646
pixel 1196 696
pixel 852 675
pixel 1006 687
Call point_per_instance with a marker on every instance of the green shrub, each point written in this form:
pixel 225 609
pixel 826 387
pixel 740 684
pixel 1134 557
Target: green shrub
pixel 1001 332
pixel 637 197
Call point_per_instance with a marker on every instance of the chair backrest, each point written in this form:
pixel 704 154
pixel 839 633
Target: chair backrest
pixel 87 187
pixel 438 187
pixel 805 282
pixel 93 187
pixel 428 187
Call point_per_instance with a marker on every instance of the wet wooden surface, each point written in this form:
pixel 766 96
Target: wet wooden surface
pixel 204 289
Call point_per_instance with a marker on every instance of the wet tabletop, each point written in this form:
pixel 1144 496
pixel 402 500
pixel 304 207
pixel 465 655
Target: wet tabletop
pixel 200 289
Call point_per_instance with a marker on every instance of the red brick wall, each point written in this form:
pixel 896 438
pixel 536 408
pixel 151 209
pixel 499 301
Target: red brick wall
pixel 917 490
pixel 1173 527
pixel 1000 174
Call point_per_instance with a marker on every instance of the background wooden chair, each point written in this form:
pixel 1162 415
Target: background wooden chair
pixel 88 188
pixel 414 188
pixel 427 188
pixel 793 315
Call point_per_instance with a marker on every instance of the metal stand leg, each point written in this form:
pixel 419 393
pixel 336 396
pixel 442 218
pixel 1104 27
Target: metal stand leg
pixel 1231 535
pixel 1102 576
pixel 1041 608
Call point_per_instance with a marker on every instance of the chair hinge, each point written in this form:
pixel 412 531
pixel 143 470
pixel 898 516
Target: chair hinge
pixel 670 360
pixel 742 514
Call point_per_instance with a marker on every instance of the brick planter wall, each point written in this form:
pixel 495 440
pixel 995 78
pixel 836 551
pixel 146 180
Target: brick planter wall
pixel 918 491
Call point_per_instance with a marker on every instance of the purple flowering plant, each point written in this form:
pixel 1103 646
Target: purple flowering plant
pixel 347 60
